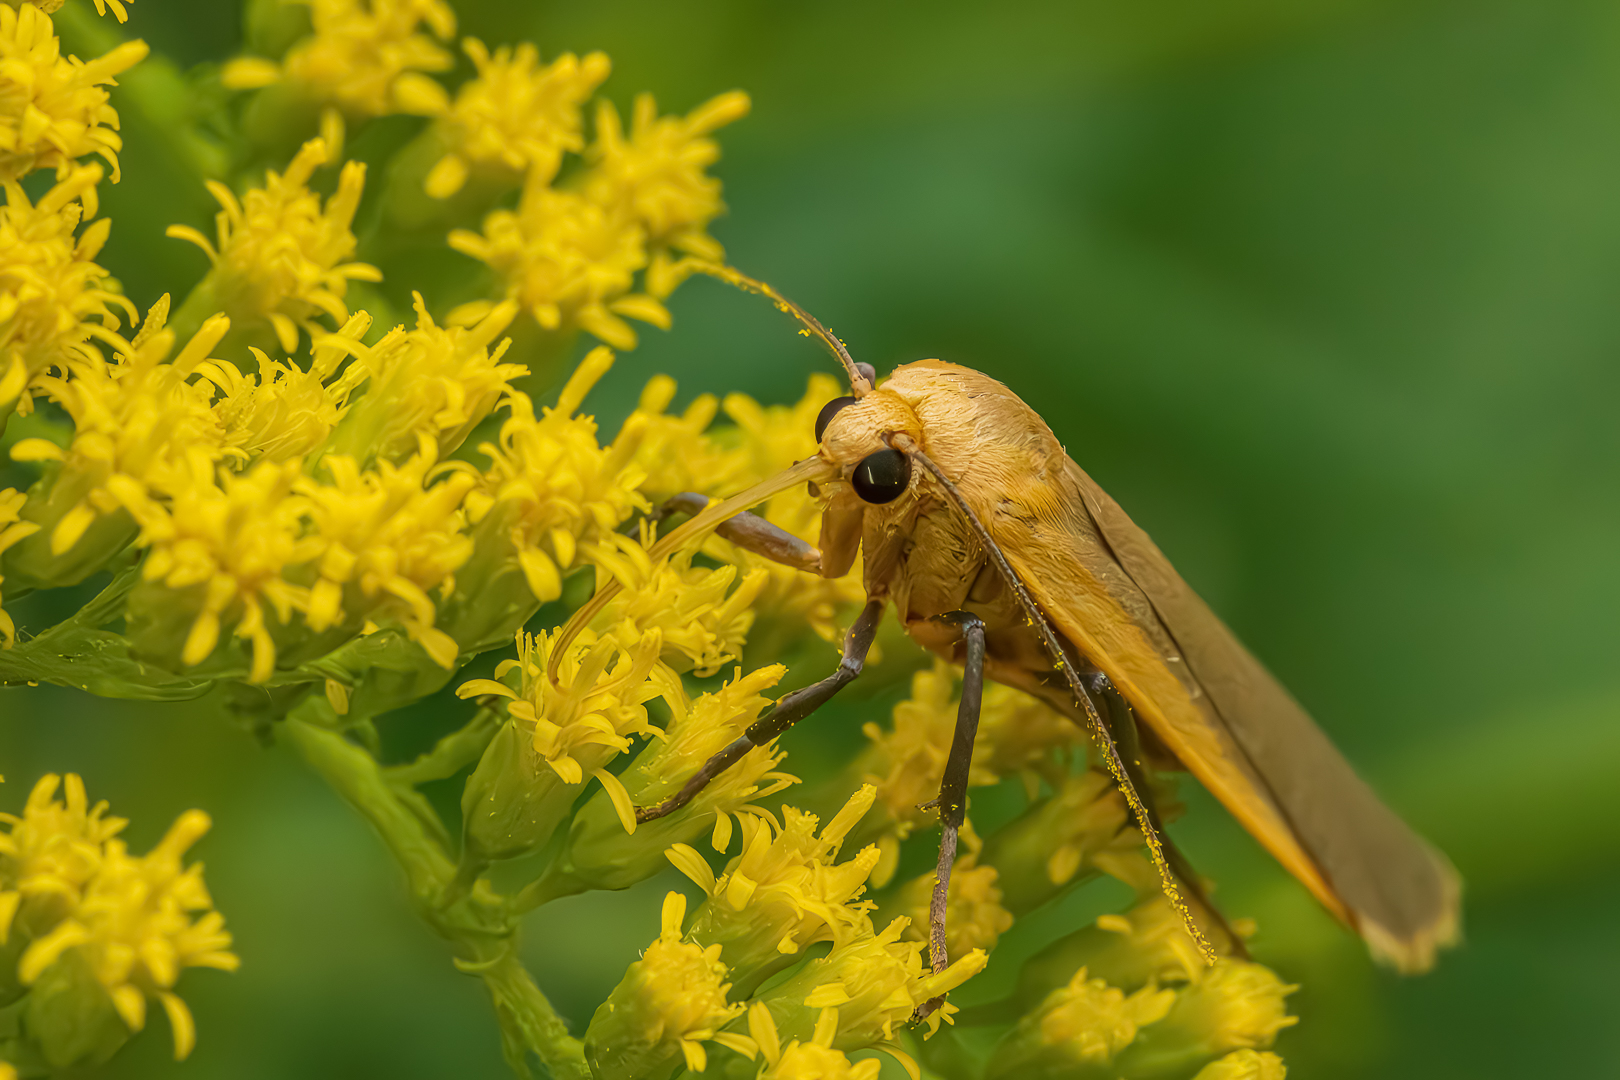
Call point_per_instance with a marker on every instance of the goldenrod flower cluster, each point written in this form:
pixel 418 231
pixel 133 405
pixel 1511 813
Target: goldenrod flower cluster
pixel 279 485
pixel 281 253
pixel 570 254
pixel 367 57
pixel 100 930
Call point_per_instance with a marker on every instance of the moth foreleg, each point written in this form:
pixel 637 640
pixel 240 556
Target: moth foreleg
pixel 788 710
pixel 952 801
pixel 750 532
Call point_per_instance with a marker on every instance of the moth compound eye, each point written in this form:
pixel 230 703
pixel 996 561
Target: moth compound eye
pixel 828 411
pixel 881 477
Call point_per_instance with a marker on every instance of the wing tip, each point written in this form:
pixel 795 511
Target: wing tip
pixel 1415 953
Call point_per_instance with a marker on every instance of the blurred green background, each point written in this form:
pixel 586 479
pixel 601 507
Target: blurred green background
pixel 1325 292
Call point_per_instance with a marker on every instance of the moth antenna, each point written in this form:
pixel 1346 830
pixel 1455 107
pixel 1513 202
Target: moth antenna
pixel 1105 741
pixel 860 383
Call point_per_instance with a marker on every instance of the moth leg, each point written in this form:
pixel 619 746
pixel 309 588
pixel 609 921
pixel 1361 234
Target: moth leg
pixel 1121 722
pixel 787 711
pixel 750 532
pixel 952 801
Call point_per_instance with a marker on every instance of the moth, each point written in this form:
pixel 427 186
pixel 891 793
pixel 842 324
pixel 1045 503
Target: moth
pixel 998 552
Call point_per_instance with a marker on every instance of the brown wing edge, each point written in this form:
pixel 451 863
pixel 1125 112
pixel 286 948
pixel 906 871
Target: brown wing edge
pixel 1404 896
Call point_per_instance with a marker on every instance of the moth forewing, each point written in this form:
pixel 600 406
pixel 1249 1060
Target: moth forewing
pixel 1399 893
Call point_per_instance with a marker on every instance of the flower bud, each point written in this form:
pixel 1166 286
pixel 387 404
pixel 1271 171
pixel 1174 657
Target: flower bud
pixel 669 1003
pixel 974 915
pixel 876 981
pixel 1235 1005
pixel 1077 1031
pixel 813 1060
pixel 69 1016
pixel 607 849
pixel 1147 945
pixel 783 892
pixel 557 738
pixel 1245 1065
pixel 1062 840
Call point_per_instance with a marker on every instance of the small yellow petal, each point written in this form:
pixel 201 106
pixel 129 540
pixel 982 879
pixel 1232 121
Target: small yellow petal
pixel 622 804
pixel 184 1027
pixel 249 73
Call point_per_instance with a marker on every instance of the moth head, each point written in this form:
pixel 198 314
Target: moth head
pixel 858 437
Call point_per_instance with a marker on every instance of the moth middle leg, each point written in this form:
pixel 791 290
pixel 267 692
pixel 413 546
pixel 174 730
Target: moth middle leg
pixel 952 801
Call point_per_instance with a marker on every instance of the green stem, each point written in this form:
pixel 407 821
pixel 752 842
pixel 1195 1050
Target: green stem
pixel 450 754
pixel 476 921
pixel 355 775
pixel 528 1019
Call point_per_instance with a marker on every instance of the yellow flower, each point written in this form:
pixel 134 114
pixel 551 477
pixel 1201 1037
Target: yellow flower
pixel 568 262
pixel 784 891
pixel 607 849
pixel 139 922
pixel 557 737
pixel 53 109
pixel 387 538
pixel 974 915
pixel 53 851
pixel 670 1002
pixel 1237 1005
pixel 365 56
pixel 906 764
pixel 876 980
pixel 549 485
pixel 1016 734
pixel 51 6
pixel 657 175
pixel 1150 944
pixel 1245 1065
pixel 12 530
pixel 223 542
pixel 774 437
pixel 434 381
pixel 813 1060
pixel 280 255
pixel 118 10
pixel 599 705
pixel 515 117
pixel 1085 1022
pixel 50 285
pixel 699 729
pixel 1019 733
pixel 679 453
pixel 683 453
pixel 284 411
pixel 1081 828
pixel 703 627
pixel 137 422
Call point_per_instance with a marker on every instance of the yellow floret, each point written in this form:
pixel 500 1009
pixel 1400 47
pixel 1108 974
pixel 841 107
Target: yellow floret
pixel 280 254
pixel 54 299
pixel 515 117
pixel 53 109
pixel 366 56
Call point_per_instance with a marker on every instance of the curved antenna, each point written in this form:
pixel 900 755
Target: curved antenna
pixel 859 383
